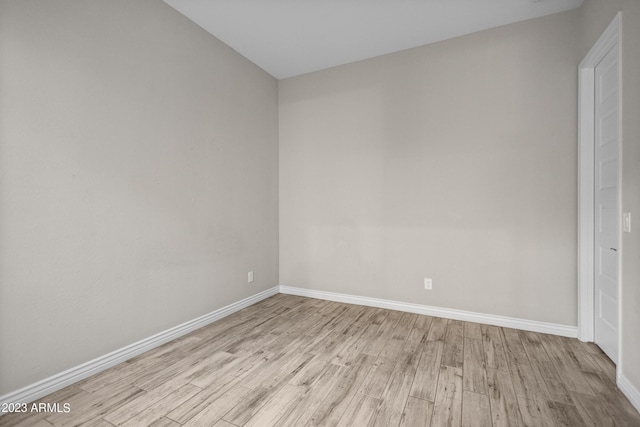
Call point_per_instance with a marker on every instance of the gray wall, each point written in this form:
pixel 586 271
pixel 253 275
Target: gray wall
pixel 595 15
pixel 138 179
pixel 455 161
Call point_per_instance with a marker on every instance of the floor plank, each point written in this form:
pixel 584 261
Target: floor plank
pixel 565 415
pixel 452 354
pixel 493 347
pixel 476 410
pixel 535 411
pixel 417 413
pixel 264 389
pixel 503 400
pixel 426 379
pixel 158 410
pixel 593 410
pixel 216 410
pixel 307 401
pixel 393 401
pixel 418 334
pixel 524 380
pixel 378 377
pixel 514 350
pixel 472 330
pixel 333 406
pixel 208 396
pixel 270 413
pixel 474 371
pixel 360 411
pixel 447 409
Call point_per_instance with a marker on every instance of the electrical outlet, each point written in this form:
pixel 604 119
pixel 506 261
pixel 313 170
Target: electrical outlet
pixel 250 277
pixel 428 283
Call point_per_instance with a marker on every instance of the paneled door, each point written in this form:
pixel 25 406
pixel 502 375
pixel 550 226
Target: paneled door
pixel 607 202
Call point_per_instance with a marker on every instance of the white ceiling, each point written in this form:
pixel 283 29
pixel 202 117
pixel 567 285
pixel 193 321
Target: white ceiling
pixel 291 37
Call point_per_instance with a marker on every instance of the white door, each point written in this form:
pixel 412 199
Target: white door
pixel 607 206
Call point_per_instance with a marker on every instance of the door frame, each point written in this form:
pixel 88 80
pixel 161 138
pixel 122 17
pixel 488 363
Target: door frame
pixel 610 39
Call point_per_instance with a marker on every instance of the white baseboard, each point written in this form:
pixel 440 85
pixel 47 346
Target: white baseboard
pixel 629 390
pixel 75 374
pixel 448 313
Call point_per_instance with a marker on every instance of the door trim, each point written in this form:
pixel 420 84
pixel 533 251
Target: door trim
pixel 611 38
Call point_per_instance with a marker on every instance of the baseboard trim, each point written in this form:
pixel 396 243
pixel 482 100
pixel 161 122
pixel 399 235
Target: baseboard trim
pixel 629 390
pixel 56 382
pixel 448 313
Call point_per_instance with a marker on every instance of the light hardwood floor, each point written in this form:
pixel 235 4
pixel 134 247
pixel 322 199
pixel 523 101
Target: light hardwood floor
pixel 293 361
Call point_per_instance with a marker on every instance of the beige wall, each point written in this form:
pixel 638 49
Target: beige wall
pixel 455 161
pixel 138 179
pixel 594 17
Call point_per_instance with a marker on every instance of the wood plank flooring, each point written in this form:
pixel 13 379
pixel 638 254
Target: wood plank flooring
pixel 293 361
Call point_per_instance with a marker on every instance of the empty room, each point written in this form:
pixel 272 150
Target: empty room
pixel 319 213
